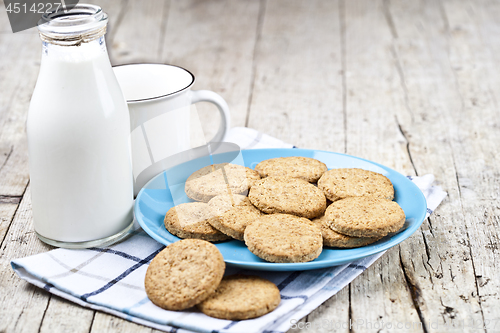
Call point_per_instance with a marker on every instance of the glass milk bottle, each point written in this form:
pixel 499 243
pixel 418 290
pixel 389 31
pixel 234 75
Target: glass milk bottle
pixel 78 132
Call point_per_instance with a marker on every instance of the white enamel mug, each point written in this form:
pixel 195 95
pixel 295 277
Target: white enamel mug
pixel 159 97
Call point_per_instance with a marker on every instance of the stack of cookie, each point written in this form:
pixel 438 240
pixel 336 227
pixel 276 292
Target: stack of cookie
pixel 222 210
pixel 285 217
pixel 190 273
pixel 362 211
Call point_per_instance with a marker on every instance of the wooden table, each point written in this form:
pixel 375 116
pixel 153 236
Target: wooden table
pixel 414 85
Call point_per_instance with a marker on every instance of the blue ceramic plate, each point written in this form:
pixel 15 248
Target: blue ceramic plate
pixel 156 198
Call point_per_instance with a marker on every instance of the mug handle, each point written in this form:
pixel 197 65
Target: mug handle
pixel 225 117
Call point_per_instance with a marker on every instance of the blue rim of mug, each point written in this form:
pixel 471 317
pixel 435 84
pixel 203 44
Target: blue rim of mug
pixel 161 96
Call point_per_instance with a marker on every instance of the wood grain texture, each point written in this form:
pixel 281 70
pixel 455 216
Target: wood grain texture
pixel 106 323
pixel 331 316
pixel 20 55
pixel 214 40
pixel 374 96
pixel 374 102
pixel 474 141
pixel 138 38
pixel 297 90
pixel 7 210
pixel 19 72
pixel 443 275
pixel 64 316
pixel 22 305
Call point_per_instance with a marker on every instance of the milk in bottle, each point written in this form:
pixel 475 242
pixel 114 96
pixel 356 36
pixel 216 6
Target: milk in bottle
pixel 78 132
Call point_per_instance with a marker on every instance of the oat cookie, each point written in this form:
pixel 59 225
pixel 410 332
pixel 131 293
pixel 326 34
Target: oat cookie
pixel 192 220
pixel 216 179
pixel 284 238
pixel 332 238
pixel 365 216
pixel 289 196
pixel 232 214
pixel 240 297
pixel 305 168
pixel 351 182
pixel 184 274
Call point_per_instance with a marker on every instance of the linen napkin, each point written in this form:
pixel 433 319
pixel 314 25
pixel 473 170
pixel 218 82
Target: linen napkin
pixel 111 279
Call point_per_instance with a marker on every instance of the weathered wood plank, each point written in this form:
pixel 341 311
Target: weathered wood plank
pixel 374 97
pixel 19 67
pixel 331 316
pixel 374 105
pixel 5 152
pixel 297 94
pixel 7 211
pixel 443 275
pixel 22 305
pixel 107 323
pixel 14 174
pixel 381 299
pixel 139 35
pixel 215 41
pixel 20 55
pixel 64 316
pixel 474 139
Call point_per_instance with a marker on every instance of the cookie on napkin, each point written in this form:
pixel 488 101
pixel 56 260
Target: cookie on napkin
pixel 240 297
pixel 184 274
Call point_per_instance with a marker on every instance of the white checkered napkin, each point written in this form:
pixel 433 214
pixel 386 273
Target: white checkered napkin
pixel 112 279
